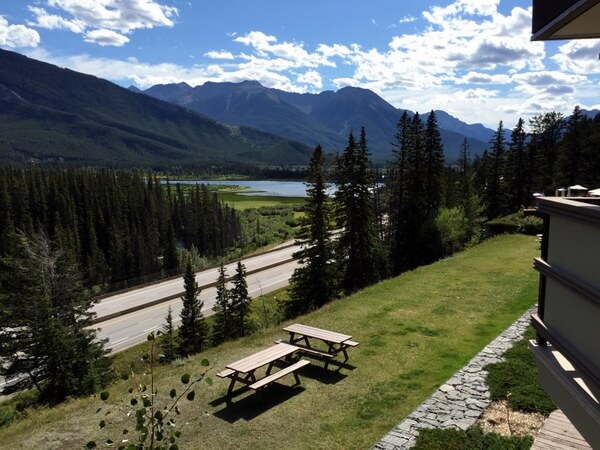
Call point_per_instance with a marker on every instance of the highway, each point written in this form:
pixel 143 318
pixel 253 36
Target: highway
pixel 126 330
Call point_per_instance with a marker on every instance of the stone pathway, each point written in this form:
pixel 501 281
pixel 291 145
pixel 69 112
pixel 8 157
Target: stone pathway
pixel 460 401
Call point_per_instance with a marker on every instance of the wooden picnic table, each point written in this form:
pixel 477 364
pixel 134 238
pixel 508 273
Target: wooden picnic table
pixel 335 342
pixel 244 369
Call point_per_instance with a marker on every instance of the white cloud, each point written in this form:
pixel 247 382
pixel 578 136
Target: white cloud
pixel 407 19
pixel 122 16
pixel 483 78
pixel 313 78
pixel 103 22
pixel 219 55
pixel 580 56
pixel 294 54
pixel 53 21
pixel 104 37
pixel 17 36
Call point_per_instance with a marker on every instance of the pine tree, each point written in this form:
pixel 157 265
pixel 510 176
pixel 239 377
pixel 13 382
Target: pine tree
pixel 223 328
pixel 358 253
pixel 434 165
pixel 193 329
pixel 240 302
pixel 469 199
pixel 314 282
pixel 397 194
pixel 516 167
pixel 570 158
pixel 169 341
pixel 46 316
pixel 495 193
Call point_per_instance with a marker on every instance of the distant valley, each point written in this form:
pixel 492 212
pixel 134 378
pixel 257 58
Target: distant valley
pixel 51 114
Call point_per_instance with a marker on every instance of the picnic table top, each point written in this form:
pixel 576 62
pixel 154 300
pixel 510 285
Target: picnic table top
pixel 317 333
pixel 262 358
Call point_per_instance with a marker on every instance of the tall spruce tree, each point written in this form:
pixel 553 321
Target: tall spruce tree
pixel 516 167
pixel 397 195
pixel 495 192
pixel 46 318
pixel 357 246
pixel 168 343
pixel 314 282
pixel 240 301
pixel 223 326
pixel 193 331
pixel 573 147
pixel 434 165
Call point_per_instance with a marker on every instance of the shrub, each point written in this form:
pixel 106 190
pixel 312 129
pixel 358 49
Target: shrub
pixel 471 439
pixel 517 376
pixel 8 415
pixel 514 223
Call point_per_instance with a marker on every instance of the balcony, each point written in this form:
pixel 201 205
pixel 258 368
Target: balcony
pixel 568 318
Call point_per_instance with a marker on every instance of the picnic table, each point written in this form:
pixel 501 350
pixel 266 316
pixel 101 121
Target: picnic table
pixel 302 336
pixel 245 369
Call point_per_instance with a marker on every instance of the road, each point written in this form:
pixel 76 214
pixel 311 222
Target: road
pixel 132 328
pixel 110 306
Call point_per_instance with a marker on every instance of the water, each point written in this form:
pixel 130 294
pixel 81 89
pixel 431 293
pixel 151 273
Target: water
pixel 259 187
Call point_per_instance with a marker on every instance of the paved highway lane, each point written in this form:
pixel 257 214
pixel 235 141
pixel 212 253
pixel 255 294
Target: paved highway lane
pixel 131 329
pixel 165 289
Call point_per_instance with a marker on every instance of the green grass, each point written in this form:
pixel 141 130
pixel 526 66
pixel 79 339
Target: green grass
pixel 516 380
pixel 237 201
pixel 414 331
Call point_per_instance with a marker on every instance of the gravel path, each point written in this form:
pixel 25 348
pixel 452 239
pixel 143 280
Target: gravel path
pixel 460 401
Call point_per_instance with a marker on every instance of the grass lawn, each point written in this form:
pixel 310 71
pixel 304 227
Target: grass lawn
pixel 414 332
pixel 233 199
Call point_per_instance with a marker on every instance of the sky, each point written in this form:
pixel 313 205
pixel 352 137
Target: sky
pixel 471 58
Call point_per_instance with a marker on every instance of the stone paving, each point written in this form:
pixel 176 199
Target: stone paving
pixel 460 401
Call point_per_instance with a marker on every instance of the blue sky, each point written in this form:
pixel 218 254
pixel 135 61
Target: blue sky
pixel 471 58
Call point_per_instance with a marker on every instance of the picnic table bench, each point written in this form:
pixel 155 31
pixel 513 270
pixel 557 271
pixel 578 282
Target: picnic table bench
pixel 245 369
pixel 302 336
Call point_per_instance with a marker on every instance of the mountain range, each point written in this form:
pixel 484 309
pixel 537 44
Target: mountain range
pixel 50 114
pixel 325 118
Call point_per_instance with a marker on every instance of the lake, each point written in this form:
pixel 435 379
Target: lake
pixel 259 187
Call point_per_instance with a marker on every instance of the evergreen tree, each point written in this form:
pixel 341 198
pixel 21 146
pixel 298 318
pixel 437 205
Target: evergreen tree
pixel 547 130
pixel 398 194
pixel 516 168
pixel 314 282
pixel 223 327
pixel 495 191
pixel 45 315
pixel 240 302
pixel 193 331
pixel 169 341
pixel 171 254
pixel 434 165
pixel 470 201
pixel 358 253
pixel 573 148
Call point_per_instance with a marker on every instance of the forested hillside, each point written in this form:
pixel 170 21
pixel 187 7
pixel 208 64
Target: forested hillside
pixel 117 225
pixel 51 114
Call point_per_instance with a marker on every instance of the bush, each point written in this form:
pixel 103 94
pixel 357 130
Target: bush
pixel 515 223
pixel 517 376
pixel 472 439
pixel 8 415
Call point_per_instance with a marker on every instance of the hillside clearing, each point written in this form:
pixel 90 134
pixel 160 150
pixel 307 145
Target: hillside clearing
pixel 414 331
